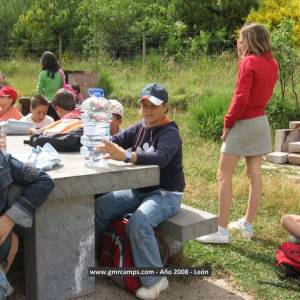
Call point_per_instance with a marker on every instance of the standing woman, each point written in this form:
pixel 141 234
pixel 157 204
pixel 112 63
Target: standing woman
pixel 246 129
pixel 51 79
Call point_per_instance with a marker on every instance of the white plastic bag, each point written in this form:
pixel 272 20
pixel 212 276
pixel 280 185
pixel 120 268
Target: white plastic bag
pixel 45 157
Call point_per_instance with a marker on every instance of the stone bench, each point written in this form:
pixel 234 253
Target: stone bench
pixel 188 224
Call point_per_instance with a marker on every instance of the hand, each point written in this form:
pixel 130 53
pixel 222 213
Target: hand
pixel 2 144
pixel 6 225
pixel 113 150
pixel 32 131
pixel 225 133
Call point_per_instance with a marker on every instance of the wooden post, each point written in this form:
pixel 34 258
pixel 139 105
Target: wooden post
pixel 59 46
pixel 144 48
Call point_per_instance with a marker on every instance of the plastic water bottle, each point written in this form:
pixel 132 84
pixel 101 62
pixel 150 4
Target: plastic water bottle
pixel 2 139
pixel 96 116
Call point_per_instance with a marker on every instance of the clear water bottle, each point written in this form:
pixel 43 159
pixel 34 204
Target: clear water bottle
pixel 96 116
pixel 2 139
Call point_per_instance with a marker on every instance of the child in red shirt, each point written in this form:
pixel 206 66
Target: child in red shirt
pixel 8 97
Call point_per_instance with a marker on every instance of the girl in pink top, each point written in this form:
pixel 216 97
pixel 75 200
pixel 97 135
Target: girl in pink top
pixel 246 129
pixel 8 97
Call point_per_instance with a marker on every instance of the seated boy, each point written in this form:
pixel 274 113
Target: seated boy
pixel 38 112
pixel 8 110
pixel 291 223
pixel 37 186
pixel 64 104
pixel 117 117
pixel 153 141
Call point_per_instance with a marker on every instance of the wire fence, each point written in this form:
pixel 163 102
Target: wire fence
pixel 124 46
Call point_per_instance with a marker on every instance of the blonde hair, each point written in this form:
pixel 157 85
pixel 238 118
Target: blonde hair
pixel 256 38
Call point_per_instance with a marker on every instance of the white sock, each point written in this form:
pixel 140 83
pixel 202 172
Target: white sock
pixel 243 221
pixel 222 230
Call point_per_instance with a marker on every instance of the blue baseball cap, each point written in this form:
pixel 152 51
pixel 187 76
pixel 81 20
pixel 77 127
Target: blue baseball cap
pixel 156 93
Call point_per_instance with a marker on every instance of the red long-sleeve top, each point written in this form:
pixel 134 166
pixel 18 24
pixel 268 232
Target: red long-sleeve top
pixel 254 87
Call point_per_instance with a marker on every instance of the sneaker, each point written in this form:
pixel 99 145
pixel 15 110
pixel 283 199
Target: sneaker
pixel 219 237
pixel 153 291
pixel 293 239
pixel 246 229
pixel 10 290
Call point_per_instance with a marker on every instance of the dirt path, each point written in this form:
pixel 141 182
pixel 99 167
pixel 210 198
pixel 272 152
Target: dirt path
pixel 191 289
pixel 185 289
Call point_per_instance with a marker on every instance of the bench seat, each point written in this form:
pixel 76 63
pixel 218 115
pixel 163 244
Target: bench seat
pixel 188 224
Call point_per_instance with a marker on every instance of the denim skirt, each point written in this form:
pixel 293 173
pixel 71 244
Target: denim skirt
pixel 249 137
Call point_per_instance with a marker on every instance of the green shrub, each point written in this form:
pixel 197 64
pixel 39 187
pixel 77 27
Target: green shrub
pixel 181 101
pixel 280 112
pixel 127 98
pixel 155 63
pixel 207 114
pixel 11 67
pixel 106 83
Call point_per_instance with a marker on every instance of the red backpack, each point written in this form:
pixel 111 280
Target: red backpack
pixel 288 260
pixel 116 253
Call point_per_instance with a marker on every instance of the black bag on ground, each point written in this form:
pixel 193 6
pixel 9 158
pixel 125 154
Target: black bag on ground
pixel 62 142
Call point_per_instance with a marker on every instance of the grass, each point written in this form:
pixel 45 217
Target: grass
pixel 249 267
pixel 186 81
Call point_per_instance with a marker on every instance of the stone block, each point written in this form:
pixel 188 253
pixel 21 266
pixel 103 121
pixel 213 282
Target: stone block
pixel 294 124
pixel 294 147
pixel 188 224
pixel 294 159
pixel 277 157
pixel 59 249
pixel 285 136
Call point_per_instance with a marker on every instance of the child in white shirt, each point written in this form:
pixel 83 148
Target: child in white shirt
pixel 38 116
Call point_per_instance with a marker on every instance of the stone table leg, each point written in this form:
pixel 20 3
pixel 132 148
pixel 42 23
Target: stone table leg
pixel 59 249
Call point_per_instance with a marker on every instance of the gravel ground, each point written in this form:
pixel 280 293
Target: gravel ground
pixel 183 288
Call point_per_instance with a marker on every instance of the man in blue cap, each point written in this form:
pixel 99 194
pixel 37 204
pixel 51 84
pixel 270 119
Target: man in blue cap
pixel 155 140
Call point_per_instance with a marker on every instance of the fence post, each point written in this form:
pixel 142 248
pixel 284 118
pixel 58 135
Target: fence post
pixel 59 46
pixel 144 48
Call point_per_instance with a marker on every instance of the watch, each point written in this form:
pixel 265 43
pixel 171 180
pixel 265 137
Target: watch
pixel 128 156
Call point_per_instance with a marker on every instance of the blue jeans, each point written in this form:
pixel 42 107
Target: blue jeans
pixel 149 210
pixel 4 285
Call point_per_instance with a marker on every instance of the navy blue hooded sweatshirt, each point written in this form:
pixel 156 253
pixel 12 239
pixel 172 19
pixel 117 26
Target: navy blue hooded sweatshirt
pixel 160 146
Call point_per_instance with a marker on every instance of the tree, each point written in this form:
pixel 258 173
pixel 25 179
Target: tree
pixel 273 12
pixel 282 17
pixel 285 52
pixel 9 14
pixel 118 26
pixel 214 20
pixel 41 27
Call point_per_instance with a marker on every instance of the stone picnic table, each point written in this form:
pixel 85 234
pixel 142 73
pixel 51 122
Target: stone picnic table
pixel 60 246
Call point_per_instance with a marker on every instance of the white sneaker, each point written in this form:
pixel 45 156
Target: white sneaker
pixel 246 229
pixel 153 291
pixel 10 290
pixel 219 237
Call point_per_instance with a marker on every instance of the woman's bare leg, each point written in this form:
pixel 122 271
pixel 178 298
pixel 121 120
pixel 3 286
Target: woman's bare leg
pixel 255 186
pixel 227 166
